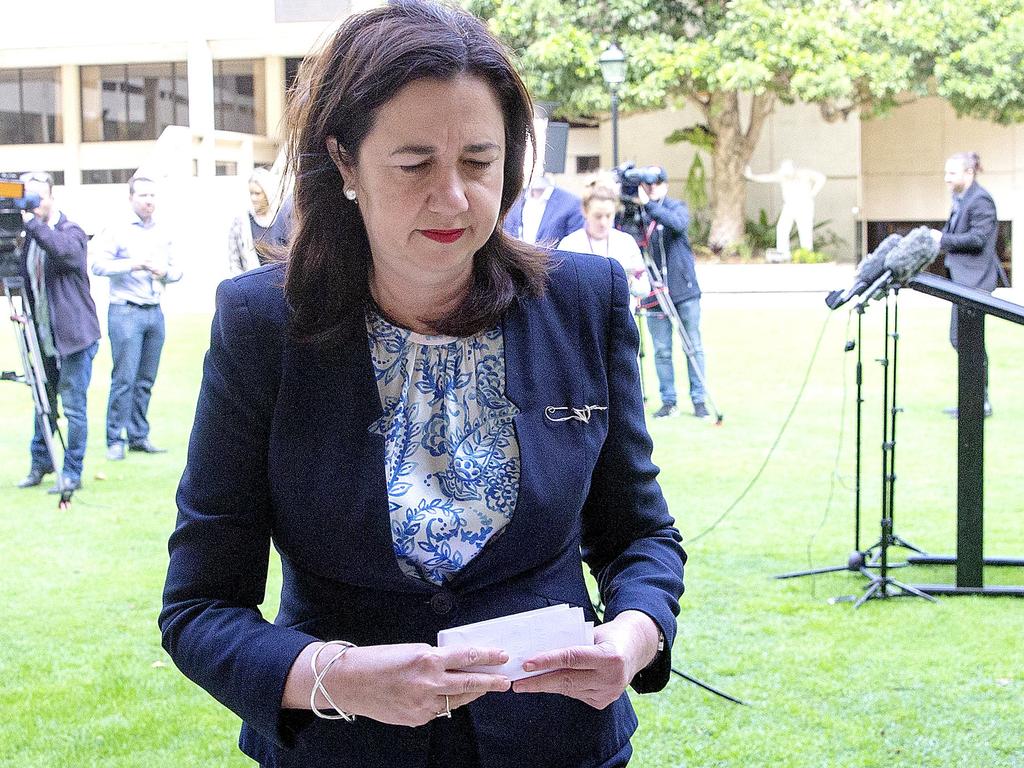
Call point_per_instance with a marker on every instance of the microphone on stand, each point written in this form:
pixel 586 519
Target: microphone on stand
pixel 868 273
pixel 915 252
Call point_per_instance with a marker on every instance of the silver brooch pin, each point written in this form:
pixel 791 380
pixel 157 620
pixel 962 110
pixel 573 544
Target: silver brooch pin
pixel 579 414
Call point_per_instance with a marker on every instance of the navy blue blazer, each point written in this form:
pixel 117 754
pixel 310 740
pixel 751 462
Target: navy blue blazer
pixel 280 452
pixel 562 214
pixel 969 241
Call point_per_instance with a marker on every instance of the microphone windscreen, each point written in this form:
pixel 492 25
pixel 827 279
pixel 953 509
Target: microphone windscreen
pixel 887 245
pixel 915 252
pixel 869 270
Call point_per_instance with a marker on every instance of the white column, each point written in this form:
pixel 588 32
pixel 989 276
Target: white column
pixel 200 105
pixel 274 89
pixel 71 116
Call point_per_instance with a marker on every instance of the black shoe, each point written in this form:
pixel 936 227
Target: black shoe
pixel 64 485
pixel 145 447
pixel 115 452
pixel 700 411
pixel 668 409
pixel 34 477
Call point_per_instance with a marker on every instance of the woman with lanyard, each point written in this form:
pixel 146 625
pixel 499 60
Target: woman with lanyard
pixel 433 424
pixel 599 237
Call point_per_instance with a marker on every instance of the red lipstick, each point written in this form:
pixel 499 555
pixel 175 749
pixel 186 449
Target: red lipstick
pixel 443 235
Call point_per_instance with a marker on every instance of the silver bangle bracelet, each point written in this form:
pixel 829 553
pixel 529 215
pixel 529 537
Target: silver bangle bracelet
pixel 318 681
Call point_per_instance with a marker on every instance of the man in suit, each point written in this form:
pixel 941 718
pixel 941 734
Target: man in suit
pixel 544 214
pixel 968 240
pixel 66 324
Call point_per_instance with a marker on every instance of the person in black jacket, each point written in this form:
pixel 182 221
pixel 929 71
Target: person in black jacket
pixel 668 244
pixel 57 279
pixel 968 240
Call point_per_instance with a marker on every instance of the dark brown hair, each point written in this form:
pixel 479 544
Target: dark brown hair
pixel 339 93
pixel 971 161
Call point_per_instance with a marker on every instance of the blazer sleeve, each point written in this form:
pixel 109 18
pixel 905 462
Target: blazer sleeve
pixel 629 538
pixel 980 226
pixel 211 624
pixel 66 245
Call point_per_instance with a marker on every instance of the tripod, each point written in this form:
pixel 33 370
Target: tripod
pixel 665 305
pixel 34 373
pixel 882 585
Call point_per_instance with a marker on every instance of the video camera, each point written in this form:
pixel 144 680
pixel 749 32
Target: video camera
pixel 629 178
pixel 13 201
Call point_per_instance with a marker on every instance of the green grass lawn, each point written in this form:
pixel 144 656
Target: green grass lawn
pixel 903 682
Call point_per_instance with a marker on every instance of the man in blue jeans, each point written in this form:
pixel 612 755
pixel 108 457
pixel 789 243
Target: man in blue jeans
pixel 57 279
pixel 668 244
pixel 136 254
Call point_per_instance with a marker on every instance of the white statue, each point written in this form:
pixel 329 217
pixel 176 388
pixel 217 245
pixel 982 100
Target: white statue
pixel 799 188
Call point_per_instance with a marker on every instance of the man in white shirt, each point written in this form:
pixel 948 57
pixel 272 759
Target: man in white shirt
pixel 136 255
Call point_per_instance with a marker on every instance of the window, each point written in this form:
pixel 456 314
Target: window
pixel 291 72
pixel 227 168
pixel 30 106
pixel 588 163
pixel 239 102
pixel 133 102
pixel 107 175
pixel 57 176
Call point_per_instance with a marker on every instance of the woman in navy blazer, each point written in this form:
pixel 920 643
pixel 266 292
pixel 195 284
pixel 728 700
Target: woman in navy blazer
pixel 407 141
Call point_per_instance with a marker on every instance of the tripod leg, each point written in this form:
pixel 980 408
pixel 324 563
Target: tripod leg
pixel 912 590
pixel 874 589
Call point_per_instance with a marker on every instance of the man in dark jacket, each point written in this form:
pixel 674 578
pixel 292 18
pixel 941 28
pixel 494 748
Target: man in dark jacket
pixel 668 244
pixel 57 279
pixel 969 239
pixel 544 214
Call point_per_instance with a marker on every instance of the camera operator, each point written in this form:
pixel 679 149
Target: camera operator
pixel 56 275
pixel 668 243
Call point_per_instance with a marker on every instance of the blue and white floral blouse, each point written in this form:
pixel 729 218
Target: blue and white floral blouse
pixel 451 453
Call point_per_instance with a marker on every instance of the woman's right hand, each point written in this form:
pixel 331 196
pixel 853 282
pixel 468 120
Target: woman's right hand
pixel 404 684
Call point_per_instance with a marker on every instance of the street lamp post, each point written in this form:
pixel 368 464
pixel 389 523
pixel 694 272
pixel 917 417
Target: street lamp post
pixel 613 70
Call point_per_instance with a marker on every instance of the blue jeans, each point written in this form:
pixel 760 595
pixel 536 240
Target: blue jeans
pixel 136 340
pixel 73 384
pixel 661 337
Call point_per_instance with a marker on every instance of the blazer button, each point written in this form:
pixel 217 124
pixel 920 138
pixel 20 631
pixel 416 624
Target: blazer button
pixel 442 603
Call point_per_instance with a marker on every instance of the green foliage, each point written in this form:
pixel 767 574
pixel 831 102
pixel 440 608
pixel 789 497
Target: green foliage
pixel 838 54
pixel 760 232
pixel 804 256
pixel 696 193
pixel 699 136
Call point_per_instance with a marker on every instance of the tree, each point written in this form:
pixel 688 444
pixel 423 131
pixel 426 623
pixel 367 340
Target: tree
pixel 737 60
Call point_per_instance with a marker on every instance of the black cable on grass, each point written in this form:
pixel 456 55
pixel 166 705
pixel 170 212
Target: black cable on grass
pixel 775 443
pixel 834 477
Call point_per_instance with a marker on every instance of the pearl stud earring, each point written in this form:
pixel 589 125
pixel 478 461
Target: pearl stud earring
pixel 350 194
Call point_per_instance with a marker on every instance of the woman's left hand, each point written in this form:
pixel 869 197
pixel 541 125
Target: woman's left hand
pixel 596 674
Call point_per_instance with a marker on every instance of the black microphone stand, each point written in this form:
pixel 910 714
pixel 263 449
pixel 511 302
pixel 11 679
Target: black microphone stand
pixel 857 558
pixel 882 585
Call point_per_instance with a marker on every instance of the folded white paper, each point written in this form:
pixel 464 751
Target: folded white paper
pixel 522 636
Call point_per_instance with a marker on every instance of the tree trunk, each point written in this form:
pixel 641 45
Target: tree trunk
pixel 733 148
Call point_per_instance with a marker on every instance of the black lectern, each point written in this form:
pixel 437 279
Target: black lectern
pixel 971 305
